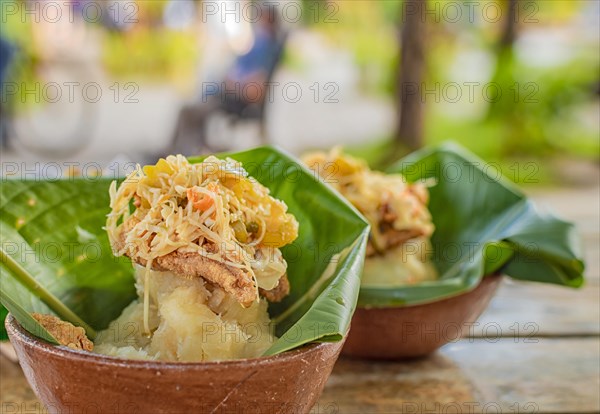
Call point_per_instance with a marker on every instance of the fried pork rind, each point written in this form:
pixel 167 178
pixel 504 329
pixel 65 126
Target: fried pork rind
pixel 396 210
pixel 66 333
pixel 206 220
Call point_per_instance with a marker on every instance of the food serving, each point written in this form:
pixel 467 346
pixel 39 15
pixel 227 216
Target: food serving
pixel 205 241
pixel 399 243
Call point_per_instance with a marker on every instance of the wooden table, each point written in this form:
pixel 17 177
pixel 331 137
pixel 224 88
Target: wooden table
pixel 535 350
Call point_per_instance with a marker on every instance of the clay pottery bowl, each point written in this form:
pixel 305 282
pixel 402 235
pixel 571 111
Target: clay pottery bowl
pixel 414 331
pixel 71 381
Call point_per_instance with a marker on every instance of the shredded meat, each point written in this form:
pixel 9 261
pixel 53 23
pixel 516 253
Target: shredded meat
pixel 278 292
pixel 66 333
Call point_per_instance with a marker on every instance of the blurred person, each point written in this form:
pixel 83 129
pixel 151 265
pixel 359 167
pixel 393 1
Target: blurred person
pixel 244 85
pixel 6 54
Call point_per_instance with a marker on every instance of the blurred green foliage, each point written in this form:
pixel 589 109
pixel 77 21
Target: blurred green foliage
pixel 149 51
pixel 151 55
pixel 25 59
pixel 146 51
pixel 544 111
pixel 544 116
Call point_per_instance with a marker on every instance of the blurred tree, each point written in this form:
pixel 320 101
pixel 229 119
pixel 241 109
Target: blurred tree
pixel 510 25
pixel 525 102
pixel 409 135
pixel 504 79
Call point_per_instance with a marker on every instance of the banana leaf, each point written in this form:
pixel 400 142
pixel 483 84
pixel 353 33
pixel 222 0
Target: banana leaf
pixel 484 225
pixel 53 228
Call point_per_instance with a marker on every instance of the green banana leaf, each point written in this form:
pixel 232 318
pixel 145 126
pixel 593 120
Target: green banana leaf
pixel 3 314
pixel 53 228
pixel 484 224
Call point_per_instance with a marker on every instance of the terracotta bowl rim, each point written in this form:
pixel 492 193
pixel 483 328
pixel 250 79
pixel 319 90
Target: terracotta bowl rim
pixel 18 333
pixel 495 276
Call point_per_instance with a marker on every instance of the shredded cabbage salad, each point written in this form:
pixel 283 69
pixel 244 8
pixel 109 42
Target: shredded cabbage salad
pixel 211 208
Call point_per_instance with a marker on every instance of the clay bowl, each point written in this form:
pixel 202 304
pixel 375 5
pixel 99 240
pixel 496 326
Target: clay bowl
pixel 70 381
pixel 415 331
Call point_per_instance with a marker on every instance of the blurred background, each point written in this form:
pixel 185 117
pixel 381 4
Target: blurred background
pixel 100 83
